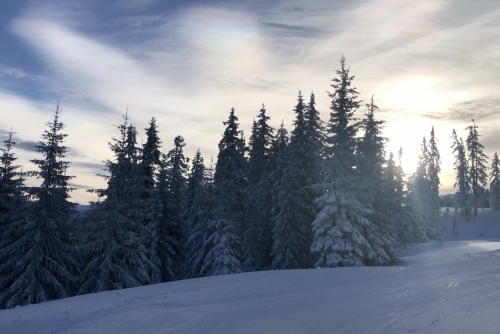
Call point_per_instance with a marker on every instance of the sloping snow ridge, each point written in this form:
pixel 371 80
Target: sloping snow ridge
pixel 447 286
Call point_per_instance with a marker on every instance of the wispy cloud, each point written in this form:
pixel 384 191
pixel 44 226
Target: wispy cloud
pixel 427 62
pixel 480 109
pixel 14 73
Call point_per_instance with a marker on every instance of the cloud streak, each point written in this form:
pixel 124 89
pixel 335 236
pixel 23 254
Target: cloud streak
pixel 427 62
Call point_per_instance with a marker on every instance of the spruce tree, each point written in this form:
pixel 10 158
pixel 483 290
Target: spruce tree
pixel 293 207
pixel 11 180
pixel 477 164
pixel 150 157
pixel 433 170
pixel 151 206
pixel 12 201
pixel 198 213
pixel 225 226
pixel 343 233
pixel 371 153
pixel 391 200
pixel 117 257
pixel 257 241
pixel 421 195
pixel 462 198
pixel 36 243
pixel 314 142
pixel 176 170
pixel 495 183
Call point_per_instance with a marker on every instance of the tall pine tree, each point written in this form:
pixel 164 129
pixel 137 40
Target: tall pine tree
pixel 343 233
pixel 151 205
pixel 176 170
pixel 495 183
pixel 225 226
pixel 293 207
pixel 39 258
pixel 421 195
pixel 477 164
pixel 257 230
pixel 115 252
pixel 197 215
pixel 462 198
pixel 11 180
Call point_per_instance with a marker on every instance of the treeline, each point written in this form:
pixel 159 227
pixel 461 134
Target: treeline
pixel 324 195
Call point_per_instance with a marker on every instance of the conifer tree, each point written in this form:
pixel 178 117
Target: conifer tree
pixel 197 214
pixel 176 169
pixel 12 201
pixel 390 201
pixel 314 142
pixel 477 164
pixel 225 226
pixel 495 183
pixel 117 257
pixel 343 233
pixel 433 170
pixel 372 158
pixel 39 258
pixel 150 158
pixel 421 195
pixel 11 180
pixel 292 204
pixel 462 197
pixel 151 205
pixel 256 241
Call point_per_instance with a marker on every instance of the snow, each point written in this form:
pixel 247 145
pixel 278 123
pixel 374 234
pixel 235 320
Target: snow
pixel 450 286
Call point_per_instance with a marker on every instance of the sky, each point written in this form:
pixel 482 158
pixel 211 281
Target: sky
pixel 187 63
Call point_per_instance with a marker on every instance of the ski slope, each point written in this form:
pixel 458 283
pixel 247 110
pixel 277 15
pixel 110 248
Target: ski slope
pixel 451 286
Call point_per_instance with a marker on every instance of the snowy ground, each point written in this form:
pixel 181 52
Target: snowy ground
pixel 451 286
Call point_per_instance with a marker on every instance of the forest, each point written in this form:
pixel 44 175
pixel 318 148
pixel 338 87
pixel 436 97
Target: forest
pixel 325 194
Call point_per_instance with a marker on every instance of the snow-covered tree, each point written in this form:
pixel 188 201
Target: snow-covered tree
pixel 462 198
pixel 293 207
pixel 421 195
pixel 495 183
pixel 11 180
pixel 176 170
pixel 199 204
pixel 225 226
pixel 371 154
pixel 38 257
pixel 115 253
pixel 314 144
pixel 433 170
pixel 343 235
pixel 150 157
pixel 477 164
pixel 256 243
pixel 150 204
pixel 394 202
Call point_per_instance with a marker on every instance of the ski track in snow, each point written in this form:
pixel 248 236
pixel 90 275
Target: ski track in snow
pixel 439 287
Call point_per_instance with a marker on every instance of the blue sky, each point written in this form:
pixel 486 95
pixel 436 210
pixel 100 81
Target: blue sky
pixel 428 62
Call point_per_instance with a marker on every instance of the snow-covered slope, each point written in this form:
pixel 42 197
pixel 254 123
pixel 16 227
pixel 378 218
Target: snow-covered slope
pixel 451 286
